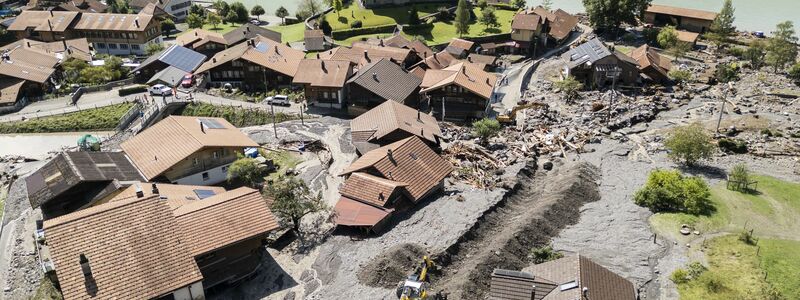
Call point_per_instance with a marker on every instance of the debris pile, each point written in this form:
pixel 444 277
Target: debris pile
pixel 392 266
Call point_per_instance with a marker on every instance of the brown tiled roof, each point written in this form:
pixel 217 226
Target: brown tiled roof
pixel 349 212
pixel 418 71
pixel 134 248
pixel 323 73
pixel 176 195
pixel 601 283
pixel 314 40
pixel 386 80
pixel 48 54
pixel 562 26
pixel 57 21
pixel 465 75
pixel 391 116
pixel 511 285
pixel 9 90
pixel 84 6
pixel 545 14
pixel 249 31
pixel 687 36
pixel 25 70
pixel 118 22
pixel 681 11
pixel 524 21
pixel 482 59
pixel 396 41
pixel 411 161
pixel 649 57
pixel 369 188
pixel 356 54
pixel 420 48
pixel 264 52
pixel 173 139
pixel 440 60
pixel 224 219
pixel 461 44
pixel 197 37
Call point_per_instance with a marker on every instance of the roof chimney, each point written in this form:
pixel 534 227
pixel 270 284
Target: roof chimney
pixel 29 44
pixel 64 42
pixel 375 76
pixel 585 292
pixel 381 42
pixel 139 192
pixel 366 55
pixel 487 81
pixel 196 34
pixel 213 60
pixel 136 22
pixel 324 69
pixel 85 267
pixel 155 189
pixel 202 128
pixel 51 13
pixel 419 117
pixel 317 55
pixel 389 153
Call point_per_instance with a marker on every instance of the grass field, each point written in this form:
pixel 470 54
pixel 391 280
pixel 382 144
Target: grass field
pixel 377 16
pixel 350 40
pixel 283 161
pixel 239 117
pixel 443 32
pixel 735 270
pixel 290 33
pixel 104 118
pixel 221 28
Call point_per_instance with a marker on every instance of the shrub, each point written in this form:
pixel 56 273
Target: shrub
pixel 732 146
pixel 679 276
pixel 713 284
pixel 443 14
pixel 737 52
pixel 544 254
pixel 132 90
pixel 681 77
pixel 347 33
pixel 651 35
pixel 629 37
pixel 485 129
pixel 689 144
pixel 246 170
pixel 794 72
pixel 695 269
pixel 570 86
pixel 356 24
pixel 727 72
pixel 747 237
pixel 669 191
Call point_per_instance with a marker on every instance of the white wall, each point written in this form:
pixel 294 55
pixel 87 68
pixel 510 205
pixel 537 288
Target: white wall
pixel 192 292
pixel 124 52
pixel 215 175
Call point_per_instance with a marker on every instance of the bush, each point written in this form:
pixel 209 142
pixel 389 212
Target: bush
pixel 103 118
pixel 485 129
pixel 651 35
pixel 140 88
pixel 747 237
pixel 356 24
pixel 669 191
pixel 629 37
pixel 570 86
pixel 713 284
pixel 737 52
pixel 679 276
pixel 794 72
pixel 695 269
pixel 727 72
pixel 443 14
pixel 246 170
pixel 689 144
pixel 681 77
pixel 544 254
pixel 732 146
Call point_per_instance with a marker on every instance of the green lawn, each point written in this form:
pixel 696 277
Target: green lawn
pixel 443 32
pixel 781 259
pixel 283 161
pixel 378 16
pixel 357 38
pixel 290 33
pixel 104 118
pixel 221 28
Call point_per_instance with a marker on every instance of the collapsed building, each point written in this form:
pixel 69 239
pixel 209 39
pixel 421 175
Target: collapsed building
pixel 596 65
pixel 391 122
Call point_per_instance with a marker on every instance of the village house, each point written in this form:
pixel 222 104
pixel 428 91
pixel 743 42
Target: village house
pixel 398 41
pixel 361 54
pixel 391 122
pixel 158 251
pixel 460 92
pixel 378 82
pixel 485 62
pixel 90 6
pixel 395 176
pixel 526 30
pixel 202 41
pixel 693 20
pixel 596 65
pixel 75 180
pixel 572 277
pixel 460 48
pixel 651 64
pixel 176 195
pixel 116 34
pixel 177 9
pixel 252 64
pixel 169 66
pixel 547 28
pixel 437 61
pixel 315 40
pixel 323 81
pixel 187 150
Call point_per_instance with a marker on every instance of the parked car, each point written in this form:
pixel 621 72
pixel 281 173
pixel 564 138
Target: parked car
pixel 188 80
pixel 160 89
pixel 278 100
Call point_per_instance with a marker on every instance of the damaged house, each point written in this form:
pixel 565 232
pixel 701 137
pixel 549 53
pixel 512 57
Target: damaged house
pixel 393 177
pixel 75 180
pixel 391 122
pixel 187 150
pixel 141 248
pixel 651 64
pixel 460 92
pixel 596 65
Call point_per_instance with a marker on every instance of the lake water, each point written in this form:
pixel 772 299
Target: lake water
pixel 751 15
pixel 37 145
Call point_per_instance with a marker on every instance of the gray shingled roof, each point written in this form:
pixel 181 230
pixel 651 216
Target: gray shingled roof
pixel 591 51
pixel 249 31
pixel 171 76
pixel 387 80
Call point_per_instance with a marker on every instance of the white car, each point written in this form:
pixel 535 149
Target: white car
pixel 278 100
pixel 160 90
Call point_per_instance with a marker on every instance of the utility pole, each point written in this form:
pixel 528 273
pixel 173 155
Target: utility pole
pixel 302 107
pixel 722 109
pixel 274 127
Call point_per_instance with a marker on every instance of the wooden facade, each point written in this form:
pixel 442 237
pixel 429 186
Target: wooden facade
pixel 248 76
pixel 361 100
pixel 200 161
pixel 231 263
pixel 455 103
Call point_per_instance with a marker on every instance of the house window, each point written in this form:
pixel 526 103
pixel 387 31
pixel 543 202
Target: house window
pixel 135 47
pixel 112 46
pixel 325 95
pixel 195 161
pixel 101 45
pixel 123 46
pixel 237 63
pixel 205 176
pixel 215 154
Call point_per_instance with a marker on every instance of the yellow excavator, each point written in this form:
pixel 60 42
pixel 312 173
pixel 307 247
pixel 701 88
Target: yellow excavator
pixel 510 116
pixel 415 287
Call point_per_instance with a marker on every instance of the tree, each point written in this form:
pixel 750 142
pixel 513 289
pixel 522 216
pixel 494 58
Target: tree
pixel 337 6
pixel 308 8
pixel 485 129
pixel 167 26
pixel 727 72
pixel 195 21
pixel 153 48
pixel 325 26
pixel 413 16
pixel 547 4
pixel 755 54
pixel 610 14
pixel 669 191
pixel 462 17
pixel 247 170
pixel 794 72
pixel 257 11
pixel 651 35
pixel 238 13
pixel 214 19
pixel 739 177
pixel 680 49
pixel 681 77
pixel 197 10
pixel 282 13
pixel 667 37
pixel 689 144
pixel 482 4
pixel 722 27
pixel 488 18
pixel 221 8
pixel 570 86
pixel 443 14
pixel 519 4
pixel 72 69
pixel 292 200
pixel 781 47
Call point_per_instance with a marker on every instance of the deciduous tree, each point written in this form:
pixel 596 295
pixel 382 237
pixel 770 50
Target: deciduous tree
pixel 167 26
pixel 669 191
pixel 488 18
pixel 755 54
pixel 547 4
pixel 570 86
pixel 214 19
pixel 240 14
pixel 195 21
pixel 246 170
pixel 519 4
pixel 257 11
pixel 610 14
pixel 689 144
pixel 292 200
pixel 781 47
pixel 485 129
pixel 282 13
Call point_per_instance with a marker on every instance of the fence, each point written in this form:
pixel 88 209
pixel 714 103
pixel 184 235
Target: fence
pixel 107 86
pixel 129 116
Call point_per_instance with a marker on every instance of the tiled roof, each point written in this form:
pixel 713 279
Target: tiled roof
pixel 350 212
pixel 57 21
pixel 176 195
pixel 134 248
pixel 601 283
pixel 420 48
pixel 461 44
pixel 440 60
pixel 410 161
pixel 649 57
pixel 9 90
pixel 264 52
pixel 386 79
pixel 524 21
pixel 687 36
pixel 546 15
pixel 357 55
pixel 418 71
pixel 250 31
pixel 118 22
pixel 482 59
pixel 511 285
pixel 224 219
pixel 61 50
pixel 314 40
pixel 323 73
pixel 84 6
pixel 390 116
pixel 173 139
pixel 198 37
pixel 369 188
pixel 465 75
pixel 562 25
pixel 681 11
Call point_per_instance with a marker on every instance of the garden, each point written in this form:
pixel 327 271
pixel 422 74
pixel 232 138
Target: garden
pixel 103 118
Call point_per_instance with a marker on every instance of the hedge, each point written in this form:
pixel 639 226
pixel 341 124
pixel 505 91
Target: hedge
pixel 504 6
pixel 133 90
pixel 348 33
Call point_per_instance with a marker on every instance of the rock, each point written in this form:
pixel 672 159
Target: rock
pixel 289 296
pixel 547 165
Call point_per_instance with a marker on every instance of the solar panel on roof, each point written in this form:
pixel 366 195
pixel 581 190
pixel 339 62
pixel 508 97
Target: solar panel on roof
pixel 211 124
pixel 262 47
pixel 202 194
pixel 182 58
